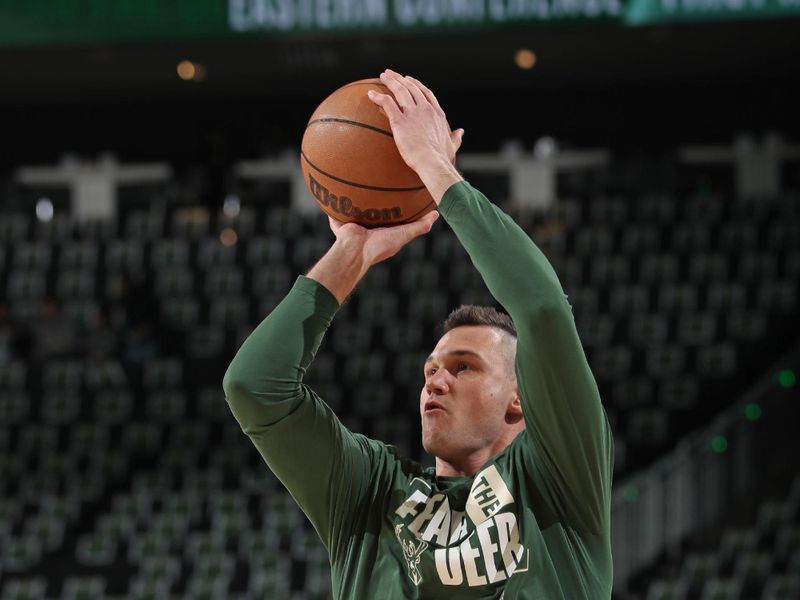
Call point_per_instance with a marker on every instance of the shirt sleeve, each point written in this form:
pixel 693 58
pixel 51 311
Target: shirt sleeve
pixel 324 466
pixel 565 423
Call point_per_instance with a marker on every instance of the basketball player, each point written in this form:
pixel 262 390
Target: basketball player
pixel 518 503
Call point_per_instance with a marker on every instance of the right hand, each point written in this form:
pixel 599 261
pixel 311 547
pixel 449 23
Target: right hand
pixel 418 123
pixel 421 131
pixel 380 243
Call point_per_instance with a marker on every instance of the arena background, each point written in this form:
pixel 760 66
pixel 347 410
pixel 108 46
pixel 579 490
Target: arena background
pixel 151 215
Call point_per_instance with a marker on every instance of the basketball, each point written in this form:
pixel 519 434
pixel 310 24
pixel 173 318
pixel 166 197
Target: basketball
pixel 351 164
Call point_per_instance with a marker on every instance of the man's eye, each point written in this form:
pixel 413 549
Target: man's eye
pixel 431 371
pixel 463 366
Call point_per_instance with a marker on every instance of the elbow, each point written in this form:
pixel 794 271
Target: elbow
pixel 241 385
pixel 257 407
pixel 235 388
pixel 246 393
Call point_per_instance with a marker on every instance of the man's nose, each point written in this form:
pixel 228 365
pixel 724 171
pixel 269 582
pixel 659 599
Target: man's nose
pixel 438 383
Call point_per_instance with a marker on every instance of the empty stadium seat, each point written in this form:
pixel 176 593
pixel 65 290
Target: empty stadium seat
pixel 596 331
pixel 666 361
pixel 174 281
pixel 428 308
pixel 667 590
pixel 307 251
pixel 721 589
pixel 213 253
pixel 182 312
pixel 14 227
pixel 648 330
pixel 124 254
pixel 263 250
pixel 648 426
pixel 415 276
pixel 696 329
pixel 24 588
pixel 26 285
pixel 612 362
pixel 229 311
pixel 679 394
pixel 782 587
pixel 691 238
pixel 639 239
pixel 223 281
pixel 628 299
pixel 609 270
pixel 271 279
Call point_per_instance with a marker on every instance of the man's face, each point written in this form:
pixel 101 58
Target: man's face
pixel 469 386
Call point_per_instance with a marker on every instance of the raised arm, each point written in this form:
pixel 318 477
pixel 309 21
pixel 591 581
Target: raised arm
pixel 564 419
pixel 324 466
pixel 566 426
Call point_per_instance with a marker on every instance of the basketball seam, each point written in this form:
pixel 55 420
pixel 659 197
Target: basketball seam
pixel 349 122
pixel 359 185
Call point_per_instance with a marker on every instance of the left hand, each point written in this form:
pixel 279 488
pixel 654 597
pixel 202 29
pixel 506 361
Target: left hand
pixel 380 243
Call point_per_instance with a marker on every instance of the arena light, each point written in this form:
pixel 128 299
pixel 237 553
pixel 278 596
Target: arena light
pixel 191 71
pixel 787 378
pixel 228 237
pixel 631 492
pixel 44 210
pixel 752 411
pixel 232 206
pixel 525 59
pixel 719 444
pixel 186 70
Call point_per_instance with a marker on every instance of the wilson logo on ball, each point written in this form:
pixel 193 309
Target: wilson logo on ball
pixel 344 205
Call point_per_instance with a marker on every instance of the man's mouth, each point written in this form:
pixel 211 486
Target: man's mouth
pixel 433 405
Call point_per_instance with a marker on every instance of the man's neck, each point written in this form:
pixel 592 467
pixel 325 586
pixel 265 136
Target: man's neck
pixel 468 467
pixel 471 463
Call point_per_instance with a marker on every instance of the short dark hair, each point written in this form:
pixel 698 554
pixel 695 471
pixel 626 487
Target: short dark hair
pixel 470 314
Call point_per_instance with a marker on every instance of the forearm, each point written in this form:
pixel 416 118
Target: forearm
pixel 438 174
pixel 340 270
pixel 516 272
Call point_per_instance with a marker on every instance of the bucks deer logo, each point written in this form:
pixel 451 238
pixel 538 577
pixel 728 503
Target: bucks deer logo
pixel 412 549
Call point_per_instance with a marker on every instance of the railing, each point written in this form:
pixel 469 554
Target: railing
pixel 713 477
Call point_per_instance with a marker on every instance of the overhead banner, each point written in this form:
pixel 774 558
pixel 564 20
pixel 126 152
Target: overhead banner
pixel 652 12
pixel 401 15
pixel 38 22
pixel 45 22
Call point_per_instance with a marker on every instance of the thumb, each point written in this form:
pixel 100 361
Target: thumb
pixel 457 136
pixel 421 226
pixel 427 221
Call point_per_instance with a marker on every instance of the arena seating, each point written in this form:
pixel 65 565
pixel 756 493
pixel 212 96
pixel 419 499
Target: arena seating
pixel 761 562
pixel 122 470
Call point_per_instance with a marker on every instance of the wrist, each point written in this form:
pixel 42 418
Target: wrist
pixel 438 174
pixel 349 254
pixel 341 268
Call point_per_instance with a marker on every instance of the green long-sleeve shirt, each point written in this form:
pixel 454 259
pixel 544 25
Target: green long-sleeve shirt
pixel 532 523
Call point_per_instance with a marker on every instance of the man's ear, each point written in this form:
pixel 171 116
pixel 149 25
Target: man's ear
pixel 514 410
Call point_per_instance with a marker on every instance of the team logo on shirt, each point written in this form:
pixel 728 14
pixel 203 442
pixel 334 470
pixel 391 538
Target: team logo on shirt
pixel 487 552
pixel 412 550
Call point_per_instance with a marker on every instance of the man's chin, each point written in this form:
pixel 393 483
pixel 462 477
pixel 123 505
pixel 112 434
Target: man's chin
pixel 434 446
pixel 430 445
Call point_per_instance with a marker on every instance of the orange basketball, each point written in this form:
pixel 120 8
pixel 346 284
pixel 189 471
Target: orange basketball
pixel 351 164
